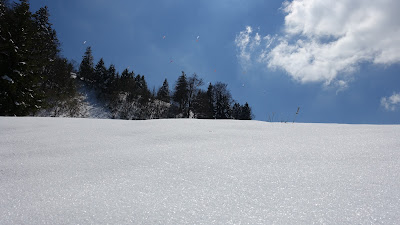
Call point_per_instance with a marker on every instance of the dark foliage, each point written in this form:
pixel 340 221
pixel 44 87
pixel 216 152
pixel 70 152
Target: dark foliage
pixel 163 92
pixel 31 69
pixel 180 95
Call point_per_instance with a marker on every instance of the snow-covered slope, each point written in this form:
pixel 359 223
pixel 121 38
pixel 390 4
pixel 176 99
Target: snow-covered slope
pixel 84 105
pixel 92 171
pixel 91 107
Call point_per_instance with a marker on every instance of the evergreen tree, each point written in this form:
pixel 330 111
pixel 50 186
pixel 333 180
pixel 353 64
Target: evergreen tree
pixel 194 83
pixel 163 92
pixel 60 88
pixel 46 47
pixel 27 82
pixel 223 101
pixel 21 63
pixel 181 92
pixel 128 83
pixel 86 68
pixel 201 106
pixel 55 71
pixel 144 91
pixel 153 94
pixel 236 111
pixel 100 75
pixel 7 61
pixel 110 82
pixel 246 112
pixel 111 74
pixel 211 102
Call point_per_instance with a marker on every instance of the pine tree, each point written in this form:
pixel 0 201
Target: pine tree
pixel 46 42
pixel 246 112
pixel 23 74
pixel 53 70
pixel 163 92
pixel 144 91
pixel 181 92
pixel 129 83
pixel 60 88
pixel 86 68
pixel 100 75
pixel 110 82
pixel 201 106
pixel 211 102
pixel 7 57
pixel 223 101
pixel 194 83
pixel 236 111
pixel 21 67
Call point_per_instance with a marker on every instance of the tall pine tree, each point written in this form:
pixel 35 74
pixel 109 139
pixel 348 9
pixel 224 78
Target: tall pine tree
pixel 223 99
pixel 194 83
pixel 100 75
pixel 180 95
pixel 86 68
pixel 211 102
pixel 29 47
pixel 163 92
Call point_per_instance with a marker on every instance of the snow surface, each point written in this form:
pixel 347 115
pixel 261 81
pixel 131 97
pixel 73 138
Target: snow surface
pixel 93 171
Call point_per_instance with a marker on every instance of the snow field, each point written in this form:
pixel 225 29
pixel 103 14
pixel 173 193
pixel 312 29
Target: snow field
pixel 182 171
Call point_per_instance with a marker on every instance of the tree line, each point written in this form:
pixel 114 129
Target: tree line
pixel 128 97
pixel 34 77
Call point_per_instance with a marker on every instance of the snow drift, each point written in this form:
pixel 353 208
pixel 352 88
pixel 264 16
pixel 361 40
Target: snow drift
pixel 81 171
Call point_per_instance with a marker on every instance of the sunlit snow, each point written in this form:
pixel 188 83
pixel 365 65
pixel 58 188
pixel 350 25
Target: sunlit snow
pixel 188 171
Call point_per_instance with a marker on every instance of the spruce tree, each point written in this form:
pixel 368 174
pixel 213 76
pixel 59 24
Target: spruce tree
pixel 181 92
pixel 144 91
pixel 46 46
pixel 201 106
pixel 246 112
pixel 127 82
pixel 54 70
pixel 86 68
pixel 236 111
pixel 211 102
pixel 21 76
pixel 110 82
pixel 100 75
pixel 223 99
pixel 194 83
pixel 163 92
pixel 7 61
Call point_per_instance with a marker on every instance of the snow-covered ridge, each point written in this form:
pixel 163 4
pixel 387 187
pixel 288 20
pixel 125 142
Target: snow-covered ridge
pixel 187 171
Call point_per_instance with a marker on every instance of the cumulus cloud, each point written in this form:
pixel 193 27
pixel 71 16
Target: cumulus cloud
pixel 391 103
pixel 327 40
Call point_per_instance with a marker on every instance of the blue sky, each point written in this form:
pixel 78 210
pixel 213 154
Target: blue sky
pixel 337 60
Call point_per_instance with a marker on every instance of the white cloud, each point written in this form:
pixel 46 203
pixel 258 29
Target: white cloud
pixel 391 103
pixel 256 41
pixel 249 47
pixel 326 40
pixel 242 41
